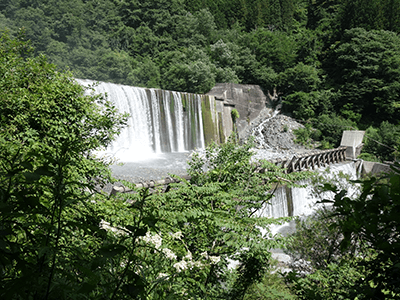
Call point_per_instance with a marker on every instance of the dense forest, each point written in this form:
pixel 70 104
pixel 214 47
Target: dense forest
pixel 335 64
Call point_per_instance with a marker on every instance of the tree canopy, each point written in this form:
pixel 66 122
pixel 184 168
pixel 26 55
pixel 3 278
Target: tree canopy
pixel 48 131
pixel 336 58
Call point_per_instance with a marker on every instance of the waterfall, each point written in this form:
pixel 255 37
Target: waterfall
pixel 160 121
pixel 302 201
pixel 257 133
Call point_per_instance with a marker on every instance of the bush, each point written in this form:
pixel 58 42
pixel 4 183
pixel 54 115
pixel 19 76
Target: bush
pixel 382 143
pixel 372 219
pixel 304 135
pixel 216 211
pixel 271 287
pixel 48 130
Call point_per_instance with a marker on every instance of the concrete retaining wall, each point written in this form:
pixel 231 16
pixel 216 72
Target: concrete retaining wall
pixel 373 168
pixel 247 99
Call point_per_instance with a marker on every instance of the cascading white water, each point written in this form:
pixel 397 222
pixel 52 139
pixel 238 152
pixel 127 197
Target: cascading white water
pixel 158 121
pixel 302 201
pixel 200 138
pixel 257 131
pixel 179 122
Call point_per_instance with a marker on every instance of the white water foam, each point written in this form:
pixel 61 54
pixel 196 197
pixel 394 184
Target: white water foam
pixel 157 122
pixel 304 201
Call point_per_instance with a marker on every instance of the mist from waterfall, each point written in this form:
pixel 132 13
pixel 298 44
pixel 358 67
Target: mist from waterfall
pixel 160 121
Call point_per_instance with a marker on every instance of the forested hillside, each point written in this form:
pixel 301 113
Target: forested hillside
pixel 334 63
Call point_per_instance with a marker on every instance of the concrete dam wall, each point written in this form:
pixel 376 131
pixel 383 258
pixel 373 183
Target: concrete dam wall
pixel 166 121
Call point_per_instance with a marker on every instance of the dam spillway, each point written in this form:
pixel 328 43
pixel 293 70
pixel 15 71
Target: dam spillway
pixel 302 201
pixel 160 121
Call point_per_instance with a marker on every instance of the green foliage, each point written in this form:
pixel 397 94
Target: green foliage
pixel 321 268
pixel 216 213
pixel 251 14
pixel 316 242
pixel 331 128
pixel 308 105
pixel 271 287
pixel 365 67
pixel 48 129
pixel 285 128
pixel 335 281
pixel 303 135
pixel 60 239
pixel 377 14
pixel 322 14
pixel 383 143
pixel 190 71
pixel 372 219
pixel 273 49
pixel 332 77
pixel 300 78
pixel 325 129
pixel 234 115
pixel 367 157
pixel 300 48
pixel 145 73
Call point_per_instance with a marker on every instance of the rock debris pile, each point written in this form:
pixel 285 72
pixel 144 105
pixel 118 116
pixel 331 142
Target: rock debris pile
pixel 273 135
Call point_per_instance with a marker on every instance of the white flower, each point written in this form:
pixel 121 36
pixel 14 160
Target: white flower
pixel 198 264
pixel 168 253
pixel 106 226
pixel 204 254
pixel 177 235
pixel 180 266
pixel 189 255
pixel 214 259
pixel 162 275
pixel 156 239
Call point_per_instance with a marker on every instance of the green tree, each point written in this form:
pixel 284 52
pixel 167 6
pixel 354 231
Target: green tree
pixel 331 127
pixel 273 48
pixel 335 281
pixel 216 211
pixel 48 131
pixel 365 68
pixel 190 71
pixel 370 14
pixel 145 73
pixel 300 78
pixel 36 24
pixel 307 106
pixel 383 142
pixel 372 219
pixel 321 13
